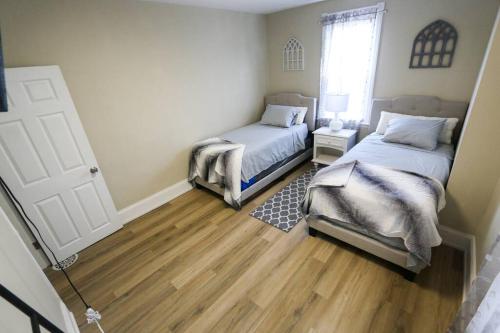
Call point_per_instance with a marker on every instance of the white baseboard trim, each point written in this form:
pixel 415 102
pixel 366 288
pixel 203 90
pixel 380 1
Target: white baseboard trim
pixel 466 243
pixel 154 201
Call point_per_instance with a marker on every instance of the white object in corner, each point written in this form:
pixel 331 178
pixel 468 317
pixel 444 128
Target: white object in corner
pixel 154 201
pixel 487 316
pixel 21 275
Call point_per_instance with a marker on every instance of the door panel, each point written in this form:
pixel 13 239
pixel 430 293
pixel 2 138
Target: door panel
pixel 53 209
pixel 39 90
pixel 21 153
pixel 91 205
pixel 61 139
pixel 45 158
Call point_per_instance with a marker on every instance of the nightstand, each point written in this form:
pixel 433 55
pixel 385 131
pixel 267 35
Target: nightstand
pixel 328 145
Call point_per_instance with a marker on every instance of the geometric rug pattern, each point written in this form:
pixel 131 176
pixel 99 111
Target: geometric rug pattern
pixel 282 210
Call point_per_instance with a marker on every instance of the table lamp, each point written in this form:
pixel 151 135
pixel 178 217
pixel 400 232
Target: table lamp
pixel 336 104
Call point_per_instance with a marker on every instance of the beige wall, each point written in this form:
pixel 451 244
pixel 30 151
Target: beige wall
pixel 473 188
pixel 147 79
pixel 473 20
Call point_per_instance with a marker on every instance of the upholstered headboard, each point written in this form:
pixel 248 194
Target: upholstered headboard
pixel 429 106
pixel 293 99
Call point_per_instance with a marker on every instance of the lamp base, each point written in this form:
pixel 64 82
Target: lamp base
pixel 336 125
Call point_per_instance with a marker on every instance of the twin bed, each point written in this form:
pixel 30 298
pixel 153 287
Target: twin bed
pixel 431 164
pixel 268 152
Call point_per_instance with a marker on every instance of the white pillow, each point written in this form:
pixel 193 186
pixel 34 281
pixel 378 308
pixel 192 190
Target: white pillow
pixel 279 115
pixel 300 111
pixel 444 137
pixel 299 118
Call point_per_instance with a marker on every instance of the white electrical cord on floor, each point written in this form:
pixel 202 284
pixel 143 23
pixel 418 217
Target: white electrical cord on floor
pixel 94 316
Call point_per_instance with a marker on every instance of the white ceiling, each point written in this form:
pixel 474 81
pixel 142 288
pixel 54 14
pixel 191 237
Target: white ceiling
pixel 248 6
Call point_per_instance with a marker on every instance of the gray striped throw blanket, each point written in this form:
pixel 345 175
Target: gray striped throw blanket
pixel 218 161
pixel 380 200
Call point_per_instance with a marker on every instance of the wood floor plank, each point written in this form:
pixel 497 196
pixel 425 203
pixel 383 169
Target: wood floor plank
pixel 197 265
pixel 284 312
pixel 235 291
pixel 173 311
pixel 211 256
pixel 226 275
pixel 264 293
pixel 271 234
pixel 239 318
pixel 341 261
pixel 324 251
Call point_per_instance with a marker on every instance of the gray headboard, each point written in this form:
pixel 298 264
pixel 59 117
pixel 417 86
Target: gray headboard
pixel 429 106
pixel 293 99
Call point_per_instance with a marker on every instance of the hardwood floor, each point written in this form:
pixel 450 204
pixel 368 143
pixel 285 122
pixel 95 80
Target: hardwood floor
pixel 196 265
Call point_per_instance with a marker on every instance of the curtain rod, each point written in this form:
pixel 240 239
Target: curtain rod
pixel 352 10
pixel 379 8
pixel 383 11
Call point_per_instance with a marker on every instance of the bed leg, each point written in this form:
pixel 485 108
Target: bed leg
pixel 312 232
pixel 409 275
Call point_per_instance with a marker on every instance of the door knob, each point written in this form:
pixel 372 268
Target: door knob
pixel 94 170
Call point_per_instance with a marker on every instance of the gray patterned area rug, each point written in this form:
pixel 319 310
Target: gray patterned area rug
pixel 282 209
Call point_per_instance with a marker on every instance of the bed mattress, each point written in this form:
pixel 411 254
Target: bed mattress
pixel 266 145
pixel 276 166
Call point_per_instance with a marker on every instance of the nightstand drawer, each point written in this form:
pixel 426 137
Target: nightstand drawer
pixel 330 141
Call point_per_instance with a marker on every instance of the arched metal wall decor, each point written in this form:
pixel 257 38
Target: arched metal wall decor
pixel 434 46
pixel 293 55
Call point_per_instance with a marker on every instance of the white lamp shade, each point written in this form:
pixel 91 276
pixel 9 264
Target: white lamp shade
pixel 336 103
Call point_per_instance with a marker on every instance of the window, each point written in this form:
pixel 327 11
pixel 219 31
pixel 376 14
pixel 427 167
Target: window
pixel 348 62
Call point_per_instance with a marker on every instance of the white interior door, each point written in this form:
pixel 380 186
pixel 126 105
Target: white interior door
pixel 47 161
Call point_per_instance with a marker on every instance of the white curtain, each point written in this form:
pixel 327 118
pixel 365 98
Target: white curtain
pixel 487 317
pixel 480 311
pixel 350 47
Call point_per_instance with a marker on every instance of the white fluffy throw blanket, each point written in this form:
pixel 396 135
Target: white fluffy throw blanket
pixel 218 161
pixel 388 202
